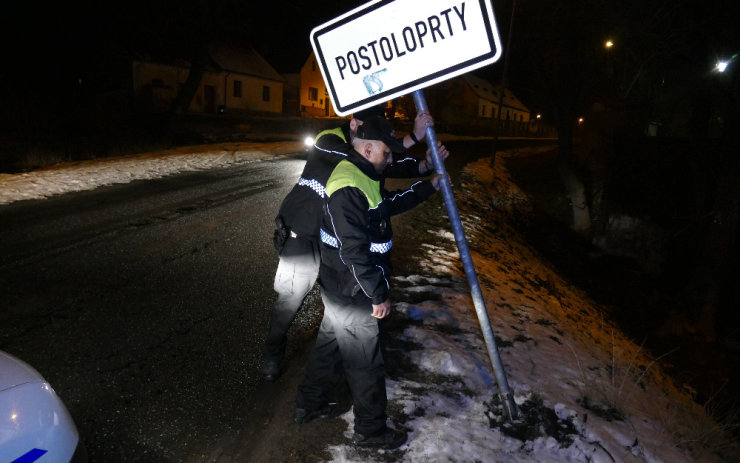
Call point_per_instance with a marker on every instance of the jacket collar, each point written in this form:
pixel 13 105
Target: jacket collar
pixel 364 165
pixel 345 131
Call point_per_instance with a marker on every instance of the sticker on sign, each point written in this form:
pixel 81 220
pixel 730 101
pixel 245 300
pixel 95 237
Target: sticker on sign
pixel 388 48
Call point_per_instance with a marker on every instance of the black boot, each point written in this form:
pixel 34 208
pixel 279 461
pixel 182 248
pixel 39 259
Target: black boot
pixel 271 370
pixel 387 439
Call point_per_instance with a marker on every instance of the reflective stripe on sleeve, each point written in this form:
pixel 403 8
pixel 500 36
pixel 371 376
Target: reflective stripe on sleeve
pixel 328 239
pixel 381 248
pixel 316 186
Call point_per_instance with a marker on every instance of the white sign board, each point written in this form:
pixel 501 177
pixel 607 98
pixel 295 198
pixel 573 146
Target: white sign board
pixel 388 48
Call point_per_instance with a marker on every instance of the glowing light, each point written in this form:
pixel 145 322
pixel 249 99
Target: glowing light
pixel 608 44
pixel 13 416
pixel 721 66
pixel 580 120
pixel 539 116
pixel 308 141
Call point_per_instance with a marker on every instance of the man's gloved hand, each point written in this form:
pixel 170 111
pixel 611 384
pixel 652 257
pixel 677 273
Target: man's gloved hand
pixel 422 120
pixel 427 165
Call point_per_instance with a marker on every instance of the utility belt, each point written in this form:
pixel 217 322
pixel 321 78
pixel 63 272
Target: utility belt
pixel 282 233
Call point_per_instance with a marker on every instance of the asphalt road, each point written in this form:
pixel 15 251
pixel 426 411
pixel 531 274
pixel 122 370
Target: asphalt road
pixel 145 305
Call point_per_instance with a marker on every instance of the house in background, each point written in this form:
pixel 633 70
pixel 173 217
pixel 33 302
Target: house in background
pixel 292 94
pixel 489 98
pixel 236 78
pixel 314 98
pixel 156 82
pixel 468 99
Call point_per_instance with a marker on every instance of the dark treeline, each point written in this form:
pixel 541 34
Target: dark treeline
pixel 659 142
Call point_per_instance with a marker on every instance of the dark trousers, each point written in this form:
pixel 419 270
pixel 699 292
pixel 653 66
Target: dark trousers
pixel 296 274
pixel 349 337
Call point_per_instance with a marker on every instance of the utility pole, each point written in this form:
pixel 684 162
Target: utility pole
pixel 507 51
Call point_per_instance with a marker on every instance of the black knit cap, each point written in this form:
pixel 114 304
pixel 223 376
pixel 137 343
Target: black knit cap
pixel 379 128
pixel 367 113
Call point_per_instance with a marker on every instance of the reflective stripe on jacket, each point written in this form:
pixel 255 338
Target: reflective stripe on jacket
pixel 301 208
pixel 356 230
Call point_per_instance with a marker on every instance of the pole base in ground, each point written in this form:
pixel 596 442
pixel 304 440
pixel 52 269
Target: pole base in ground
pixel 509 406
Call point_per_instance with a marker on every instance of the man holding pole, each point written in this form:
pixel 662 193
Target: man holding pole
pixel 356 237
pixel 297 234
pixel 470 43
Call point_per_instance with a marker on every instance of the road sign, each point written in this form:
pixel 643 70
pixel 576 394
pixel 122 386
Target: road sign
pixel 388 48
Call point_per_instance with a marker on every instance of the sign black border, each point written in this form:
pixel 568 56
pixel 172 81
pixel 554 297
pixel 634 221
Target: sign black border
pixel 382 95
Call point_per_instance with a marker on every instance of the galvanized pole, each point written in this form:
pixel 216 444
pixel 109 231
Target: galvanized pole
pixel 462 246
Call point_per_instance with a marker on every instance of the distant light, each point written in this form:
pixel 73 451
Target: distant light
pixel 608 44
pixel 308 141
pixel 539 116
pixel 580 120
pixel 721 66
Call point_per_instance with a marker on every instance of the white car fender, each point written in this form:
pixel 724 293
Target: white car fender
pixel 34 423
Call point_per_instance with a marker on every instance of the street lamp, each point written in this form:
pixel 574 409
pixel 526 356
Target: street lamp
pixel 608 44
pixel 721 66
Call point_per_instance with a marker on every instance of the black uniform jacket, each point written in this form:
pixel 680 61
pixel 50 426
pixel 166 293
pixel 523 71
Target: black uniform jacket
pixel 301 208
pixel 356 237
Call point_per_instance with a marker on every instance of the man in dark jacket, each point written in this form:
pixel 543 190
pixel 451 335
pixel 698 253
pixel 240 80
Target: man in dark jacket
pixel 356 237
pixel 299 219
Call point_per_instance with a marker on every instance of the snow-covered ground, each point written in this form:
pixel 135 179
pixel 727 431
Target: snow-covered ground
pixel 585 392
pixel 86 175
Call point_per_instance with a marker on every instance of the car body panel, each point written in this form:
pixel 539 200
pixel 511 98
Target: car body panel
pixel 34 423
pixel 14 372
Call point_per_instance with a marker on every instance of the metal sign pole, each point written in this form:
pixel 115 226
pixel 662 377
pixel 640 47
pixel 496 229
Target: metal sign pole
pixel 462 246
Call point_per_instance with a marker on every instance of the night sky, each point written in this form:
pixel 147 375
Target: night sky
pixel 88 39
pixel 64 48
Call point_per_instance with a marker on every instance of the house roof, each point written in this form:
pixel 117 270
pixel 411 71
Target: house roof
pixel 170 61
pixel 492 92
pixel 243 60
